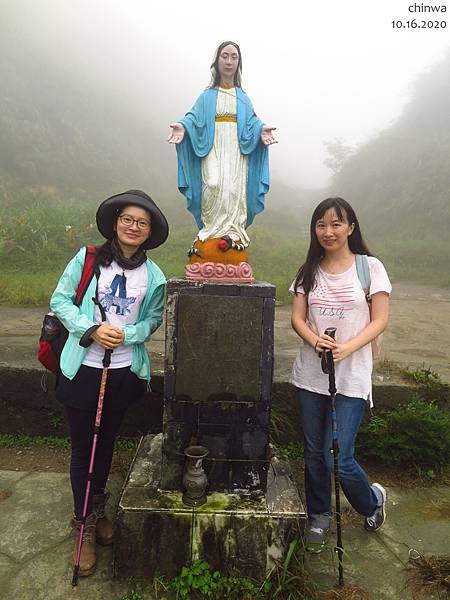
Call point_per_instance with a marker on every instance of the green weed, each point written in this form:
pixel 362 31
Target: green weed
pixel 293 451
pixel 126 443
pixel 132 596
pixel 55 420
pixel 198 581
pixel 422 376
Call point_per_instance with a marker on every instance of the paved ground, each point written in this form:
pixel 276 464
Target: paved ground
pixel 36 544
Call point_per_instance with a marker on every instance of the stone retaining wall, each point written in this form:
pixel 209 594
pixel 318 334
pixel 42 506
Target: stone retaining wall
pixel 27 409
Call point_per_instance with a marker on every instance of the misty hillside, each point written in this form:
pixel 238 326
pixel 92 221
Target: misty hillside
pixel 399 182
pixel 64 130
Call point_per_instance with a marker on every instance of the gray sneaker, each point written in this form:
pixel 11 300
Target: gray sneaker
pixel 379 516
pixel 316 532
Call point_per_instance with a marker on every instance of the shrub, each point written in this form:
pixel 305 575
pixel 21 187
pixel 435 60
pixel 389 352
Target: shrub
pixel 417 435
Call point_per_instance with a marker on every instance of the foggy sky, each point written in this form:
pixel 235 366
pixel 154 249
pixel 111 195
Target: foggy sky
pixel 315 70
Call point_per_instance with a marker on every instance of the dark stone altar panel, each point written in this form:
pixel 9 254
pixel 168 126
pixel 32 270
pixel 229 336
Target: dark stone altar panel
pixel 218 348
pixel 218 381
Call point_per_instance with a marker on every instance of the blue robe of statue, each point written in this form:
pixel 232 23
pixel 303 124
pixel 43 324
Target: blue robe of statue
pixel 199 123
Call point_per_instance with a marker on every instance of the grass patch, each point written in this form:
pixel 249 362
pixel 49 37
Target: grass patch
pixel 11 440
pixel 28 288
pixel 39 235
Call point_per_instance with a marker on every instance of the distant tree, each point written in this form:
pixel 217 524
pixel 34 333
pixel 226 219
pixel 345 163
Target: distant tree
pixel 338 152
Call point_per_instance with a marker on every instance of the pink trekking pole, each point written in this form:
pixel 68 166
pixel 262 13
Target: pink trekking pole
pixel 98 418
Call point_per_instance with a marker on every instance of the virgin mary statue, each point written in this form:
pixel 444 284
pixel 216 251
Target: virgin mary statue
pixel 223 166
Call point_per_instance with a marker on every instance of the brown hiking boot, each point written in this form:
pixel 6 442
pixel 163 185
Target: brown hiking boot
pixel 88 557
pixel 105 529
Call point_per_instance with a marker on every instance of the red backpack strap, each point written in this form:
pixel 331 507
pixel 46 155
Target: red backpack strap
pixel 86 275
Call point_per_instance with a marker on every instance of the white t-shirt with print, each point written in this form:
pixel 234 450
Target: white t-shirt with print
pixel 121 293
pixel 339 301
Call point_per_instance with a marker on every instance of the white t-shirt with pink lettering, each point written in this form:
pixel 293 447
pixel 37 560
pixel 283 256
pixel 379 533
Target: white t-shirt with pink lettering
pixel 339 301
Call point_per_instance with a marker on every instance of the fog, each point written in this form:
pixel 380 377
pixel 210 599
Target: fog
pixel 317 71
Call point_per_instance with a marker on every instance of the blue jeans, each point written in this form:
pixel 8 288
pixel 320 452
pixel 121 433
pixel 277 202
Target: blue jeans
pixel 316 418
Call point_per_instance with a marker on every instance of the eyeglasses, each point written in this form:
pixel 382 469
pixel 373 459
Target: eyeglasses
pixel 128 221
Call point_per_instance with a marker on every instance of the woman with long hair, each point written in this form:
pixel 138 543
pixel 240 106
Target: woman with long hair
pixel 328 293
pixel 120 310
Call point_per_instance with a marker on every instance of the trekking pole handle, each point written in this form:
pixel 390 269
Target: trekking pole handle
pixel 326 358
pixel 331 331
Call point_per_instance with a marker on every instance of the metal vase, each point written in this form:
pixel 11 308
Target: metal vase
pixel 194 478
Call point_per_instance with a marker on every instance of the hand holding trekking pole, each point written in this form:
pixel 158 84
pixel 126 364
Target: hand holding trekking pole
pixel 108 336
pixel 325 342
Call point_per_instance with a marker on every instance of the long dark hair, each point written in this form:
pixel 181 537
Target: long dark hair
pixel 307 273
pixel 215 65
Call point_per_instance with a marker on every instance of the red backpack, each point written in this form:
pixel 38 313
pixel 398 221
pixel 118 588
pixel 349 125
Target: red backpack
pixel 54 334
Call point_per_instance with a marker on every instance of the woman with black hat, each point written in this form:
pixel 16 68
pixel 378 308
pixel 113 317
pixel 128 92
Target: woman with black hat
pixel 128 288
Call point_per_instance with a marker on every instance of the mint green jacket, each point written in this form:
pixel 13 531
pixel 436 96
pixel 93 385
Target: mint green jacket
pixel 78 319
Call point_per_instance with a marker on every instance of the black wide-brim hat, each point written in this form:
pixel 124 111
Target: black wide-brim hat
pixel 110 209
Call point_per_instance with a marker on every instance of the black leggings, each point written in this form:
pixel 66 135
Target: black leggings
pixel 81 426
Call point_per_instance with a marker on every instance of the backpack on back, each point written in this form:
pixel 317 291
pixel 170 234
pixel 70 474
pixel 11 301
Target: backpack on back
pixel 54 334
pixel 362 268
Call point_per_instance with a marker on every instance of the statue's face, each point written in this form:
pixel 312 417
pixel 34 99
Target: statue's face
pixel 228 62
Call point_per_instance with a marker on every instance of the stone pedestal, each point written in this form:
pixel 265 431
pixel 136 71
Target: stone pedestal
pixel 218 381
pixel 217 394
pixel 238 534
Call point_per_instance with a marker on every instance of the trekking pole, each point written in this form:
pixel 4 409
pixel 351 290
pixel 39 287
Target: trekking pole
pixel 98 418
pixel 328 368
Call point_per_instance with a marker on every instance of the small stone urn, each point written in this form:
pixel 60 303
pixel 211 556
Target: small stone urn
pixel 194 478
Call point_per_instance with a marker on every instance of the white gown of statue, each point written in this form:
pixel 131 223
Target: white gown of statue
pixel 224 177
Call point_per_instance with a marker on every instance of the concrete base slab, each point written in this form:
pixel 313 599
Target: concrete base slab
pixel 239 534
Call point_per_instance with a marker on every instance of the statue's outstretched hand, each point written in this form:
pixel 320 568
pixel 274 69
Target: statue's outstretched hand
pixel 177 134
pixel 267 136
